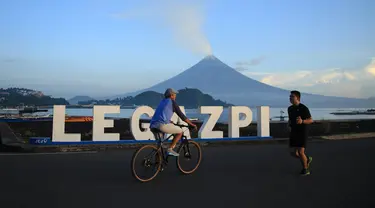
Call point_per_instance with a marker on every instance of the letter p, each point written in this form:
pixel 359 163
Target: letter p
pixel 235 123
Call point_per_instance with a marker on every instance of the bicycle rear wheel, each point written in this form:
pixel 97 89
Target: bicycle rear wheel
pixel 190 152
pixel 151 162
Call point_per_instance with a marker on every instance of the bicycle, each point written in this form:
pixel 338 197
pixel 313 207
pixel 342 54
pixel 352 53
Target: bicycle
pixel 161 157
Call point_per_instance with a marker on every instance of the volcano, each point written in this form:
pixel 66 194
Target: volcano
pixel 212 76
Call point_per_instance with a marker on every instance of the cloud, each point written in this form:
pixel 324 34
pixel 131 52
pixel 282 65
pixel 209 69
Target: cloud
pixel 285 79
pixel 253 73
pixel 244 65
pixel 336 76
pixel 334 82
pixel 310 78
pixel 185 21
pixel 241 68
pixel 252 62
pixel 371 67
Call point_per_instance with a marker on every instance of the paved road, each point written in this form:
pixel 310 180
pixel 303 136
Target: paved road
pixel 231 176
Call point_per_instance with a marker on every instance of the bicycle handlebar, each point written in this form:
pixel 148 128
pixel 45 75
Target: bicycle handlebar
pixel 182 125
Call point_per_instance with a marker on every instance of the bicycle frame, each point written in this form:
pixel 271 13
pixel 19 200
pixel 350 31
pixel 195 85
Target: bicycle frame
pixel 183 142
pixel 161 161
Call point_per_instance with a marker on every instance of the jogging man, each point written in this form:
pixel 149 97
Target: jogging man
pixel 162 118
pixel 299 118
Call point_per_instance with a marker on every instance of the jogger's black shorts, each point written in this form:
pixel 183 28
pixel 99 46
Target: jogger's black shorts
pixel 297 139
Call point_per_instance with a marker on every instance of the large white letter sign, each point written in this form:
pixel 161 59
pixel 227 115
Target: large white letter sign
pixel 234 123
pixel 100 123
pixel 263 123
pixel 209 123
pixel 134 123
pixel 58 126
pixel 178 120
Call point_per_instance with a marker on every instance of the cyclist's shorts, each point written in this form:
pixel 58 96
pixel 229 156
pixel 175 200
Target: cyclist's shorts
pixel 170 129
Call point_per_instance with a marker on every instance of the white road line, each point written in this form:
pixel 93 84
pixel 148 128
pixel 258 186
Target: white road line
pixel 47 153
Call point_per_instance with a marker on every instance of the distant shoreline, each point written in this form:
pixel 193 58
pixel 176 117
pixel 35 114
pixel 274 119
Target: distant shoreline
pixel 275 113
pixel 83 107
pixel 134 107
pixel 278 129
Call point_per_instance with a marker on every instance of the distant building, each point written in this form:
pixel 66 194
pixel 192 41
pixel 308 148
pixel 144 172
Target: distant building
pixel 4 93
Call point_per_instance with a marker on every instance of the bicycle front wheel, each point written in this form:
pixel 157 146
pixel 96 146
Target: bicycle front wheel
pixel 150 163
pixel 190 157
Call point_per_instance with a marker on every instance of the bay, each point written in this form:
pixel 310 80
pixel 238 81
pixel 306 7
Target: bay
pixel 317 113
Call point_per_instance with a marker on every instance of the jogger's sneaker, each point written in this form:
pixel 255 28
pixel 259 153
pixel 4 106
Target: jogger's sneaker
pixel 172 152
pixel 309 160
pixel 305 172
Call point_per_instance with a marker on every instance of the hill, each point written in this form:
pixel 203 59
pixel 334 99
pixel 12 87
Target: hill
pixel 189 98
pixel 19 96
pixel 75 100
pixel 212 76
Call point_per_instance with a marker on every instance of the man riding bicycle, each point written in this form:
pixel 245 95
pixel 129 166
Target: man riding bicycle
pixel 162 118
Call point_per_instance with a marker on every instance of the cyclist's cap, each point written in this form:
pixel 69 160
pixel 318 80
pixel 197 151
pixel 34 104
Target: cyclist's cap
pixel 169 92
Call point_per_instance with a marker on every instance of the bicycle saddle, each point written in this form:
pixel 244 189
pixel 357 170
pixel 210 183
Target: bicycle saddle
pixel 155 130
pixel 157 133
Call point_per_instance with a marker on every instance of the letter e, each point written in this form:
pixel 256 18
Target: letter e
pixel 100 123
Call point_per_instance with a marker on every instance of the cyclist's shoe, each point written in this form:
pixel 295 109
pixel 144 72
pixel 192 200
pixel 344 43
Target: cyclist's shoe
pixel 309 160
pixel 172 152
pixel 305 172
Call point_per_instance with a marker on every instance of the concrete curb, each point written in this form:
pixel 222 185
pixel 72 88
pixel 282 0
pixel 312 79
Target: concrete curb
pixel 349 136
pixel 100 147
pixel 204 143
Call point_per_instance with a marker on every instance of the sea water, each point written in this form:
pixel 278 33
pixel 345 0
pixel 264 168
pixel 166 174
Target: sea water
pixel 317 113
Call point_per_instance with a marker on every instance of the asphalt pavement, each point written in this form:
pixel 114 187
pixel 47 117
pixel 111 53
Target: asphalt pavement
pixel 262 175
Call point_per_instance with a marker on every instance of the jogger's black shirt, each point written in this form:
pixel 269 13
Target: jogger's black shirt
pixel 298 134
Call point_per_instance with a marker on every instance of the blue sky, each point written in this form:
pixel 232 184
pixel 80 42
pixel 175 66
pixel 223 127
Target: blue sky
pixel 97 47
